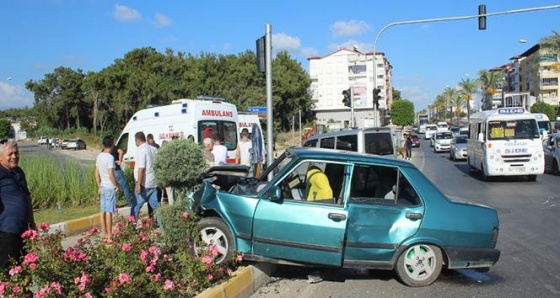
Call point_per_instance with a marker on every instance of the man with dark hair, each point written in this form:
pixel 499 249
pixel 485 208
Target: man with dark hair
pixel 151 141
pixel 118 154
pixel 108 187
pixel 219 151
pixel 16 209
pixel 145 188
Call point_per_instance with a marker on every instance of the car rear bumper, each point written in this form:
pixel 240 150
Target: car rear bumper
pixel 470 257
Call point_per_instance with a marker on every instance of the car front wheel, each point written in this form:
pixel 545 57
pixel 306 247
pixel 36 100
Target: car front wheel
pixel 214 232
pixel 419 265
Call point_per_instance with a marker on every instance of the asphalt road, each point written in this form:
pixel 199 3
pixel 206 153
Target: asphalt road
pixel 529 240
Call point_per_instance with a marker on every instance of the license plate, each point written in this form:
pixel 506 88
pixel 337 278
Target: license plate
pixel 517 169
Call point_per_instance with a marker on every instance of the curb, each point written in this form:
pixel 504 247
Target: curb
pixel 245 281
pixel 80 225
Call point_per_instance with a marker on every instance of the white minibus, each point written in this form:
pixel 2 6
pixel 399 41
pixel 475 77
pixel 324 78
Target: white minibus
pixel 505 142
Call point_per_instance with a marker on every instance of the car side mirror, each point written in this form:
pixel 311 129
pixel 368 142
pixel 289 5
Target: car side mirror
pixel 274 194
pixel 480 137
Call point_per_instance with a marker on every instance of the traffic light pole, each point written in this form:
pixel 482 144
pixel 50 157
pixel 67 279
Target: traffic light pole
pixel 443 20
pixel 352 108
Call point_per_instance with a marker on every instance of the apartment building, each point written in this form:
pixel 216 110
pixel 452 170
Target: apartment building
pixel 537 72
pixel 344 69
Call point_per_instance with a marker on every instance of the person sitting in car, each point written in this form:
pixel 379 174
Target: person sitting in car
pixel 318 186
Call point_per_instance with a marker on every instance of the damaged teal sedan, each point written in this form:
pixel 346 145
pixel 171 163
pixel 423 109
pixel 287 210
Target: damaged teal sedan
pixel 343 209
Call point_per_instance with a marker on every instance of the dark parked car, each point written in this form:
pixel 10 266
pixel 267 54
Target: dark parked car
pixel 76 144
pixel 415 141
pixel 344 209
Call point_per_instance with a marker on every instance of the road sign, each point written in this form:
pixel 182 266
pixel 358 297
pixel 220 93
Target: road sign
pixel 259 110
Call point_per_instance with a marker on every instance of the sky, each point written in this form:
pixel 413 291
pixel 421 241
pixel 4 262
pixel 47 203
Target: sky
pixel 40 35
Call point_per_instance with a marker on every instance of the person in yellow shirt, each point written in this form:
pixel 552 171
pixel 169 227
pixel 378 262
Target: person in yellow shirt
pixel 318 186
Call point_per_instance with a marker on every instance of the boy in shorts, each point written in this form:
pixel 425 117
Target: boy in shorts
pixel 108 187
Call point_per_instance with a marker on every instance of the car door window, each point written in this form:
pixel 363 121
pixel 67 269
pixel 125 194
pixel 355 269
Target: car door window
pixel 381 185
pixel 314 182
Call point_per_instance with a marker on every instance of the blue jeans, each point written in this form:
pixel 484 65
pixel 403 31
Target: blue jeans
pixel 146 195
pixel 121 180
pixel 108 199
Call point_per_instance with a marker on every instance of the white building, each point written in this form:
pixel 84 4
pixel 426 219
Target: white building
pixel 344 69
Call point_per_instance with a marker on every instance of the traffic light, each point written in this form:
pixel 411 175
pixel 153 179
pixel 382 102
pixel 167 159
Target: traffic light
pixel 482 17
pixel 376 97
pixel 347 100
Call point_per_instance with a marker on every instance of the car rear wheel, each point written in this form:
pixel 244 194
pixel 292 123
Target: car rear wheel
pixel 555 170
pixel 214 232
pixel 419 265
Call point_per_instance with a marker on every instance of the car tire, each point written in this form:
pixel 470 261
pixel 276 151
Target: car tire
pixel 483 175
pixel 419 265
pixel 555 170
pixel 214 231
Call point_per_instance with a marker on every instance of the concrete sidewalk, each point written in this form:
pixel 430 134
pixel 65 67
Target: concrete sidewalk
pixel 246 280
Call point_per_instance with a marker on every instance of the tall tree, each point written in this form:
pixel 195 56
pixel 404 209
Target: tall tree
pixel 402 112
pixel 489 82
pixel 290 95
pixel 468 88
pixel 452 99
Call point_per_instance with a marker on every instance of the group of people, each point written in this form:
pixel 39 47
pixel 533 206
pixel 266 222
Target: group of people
pixel 110 179
pixel 16 211
pixel 216 154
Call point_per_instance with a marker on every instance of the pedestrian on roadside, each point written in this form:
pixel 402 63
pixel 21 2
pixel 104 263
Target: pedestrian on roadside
pixel 219 151
pixel 118 155
pixel 207 150
pixel 16 209
pixel 108 187
pixel 243 154
pixel 145 188
pixel 152 142
pixel 404 151
pixel 408 145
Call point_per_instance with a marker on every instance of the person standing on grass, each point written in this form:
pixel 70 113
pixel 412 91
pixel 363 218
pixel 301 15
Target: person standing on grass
pixel 118 154
pixel 108 187
pixel 16 209
pixel 145 188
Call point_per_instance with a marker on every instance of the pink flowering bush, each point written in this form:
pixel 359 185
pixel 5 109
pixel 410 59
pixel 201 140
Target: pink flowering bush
pixel 139 263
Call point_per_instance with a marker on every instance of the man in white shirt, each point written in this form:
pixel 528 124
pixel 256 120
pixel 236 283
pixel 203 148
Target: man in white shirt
pixel 243 155
pixel 145 188
pixel 219 151
pixel 108 186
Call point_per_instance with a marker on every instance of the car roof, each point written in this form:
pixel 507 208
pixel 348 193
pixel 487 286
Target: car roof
pixel 352 131
pixel 342 155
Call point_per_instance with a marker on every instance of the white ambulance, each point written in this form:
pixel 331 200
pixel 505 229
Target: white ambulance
pixel 183 118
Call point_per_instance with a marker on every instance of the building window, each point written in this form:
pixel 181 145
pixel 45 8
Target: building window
pixel 356 69
pixel 549 82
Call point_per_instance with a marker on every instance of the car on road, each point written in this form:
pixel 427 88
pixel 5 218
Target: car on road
pixel 430 131
pixel 551 148
pixel 42 140
pixel 415 141
pixel 317 210
pixel 441 141
pixel 64 144
pixel 458 149
pixel 75 144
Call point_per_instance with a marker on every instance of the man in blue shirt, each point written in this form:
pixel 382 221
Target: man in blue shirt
pixel 16 210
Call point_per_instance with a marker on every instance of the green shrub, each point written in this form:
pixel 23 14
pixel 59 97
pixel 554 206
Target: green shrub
pixel 179 164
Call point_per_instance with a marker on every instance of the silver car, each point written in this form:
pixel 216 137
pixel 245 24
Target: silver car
pixel 458 149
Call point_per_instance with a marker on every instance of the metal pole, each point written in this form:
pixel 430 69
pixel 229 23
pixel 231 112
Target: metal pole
pixel 300 136
pixel 374 84
pixel 351 107
pixel 269 111
pixel 441 20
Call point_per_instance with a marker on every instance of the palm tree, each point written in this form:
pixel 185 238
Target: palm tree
pixel 468 88
pixel 551 44
pixel 450 95
pixel 439 105
pixel 490 81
